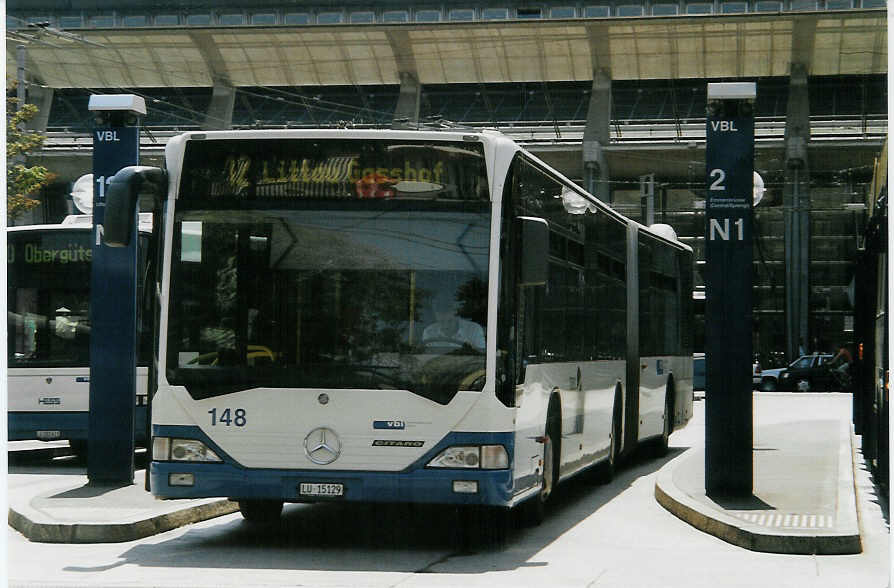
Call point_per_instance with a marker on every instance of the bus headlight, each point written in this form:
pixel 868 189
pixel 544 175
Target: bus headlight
pixel 168 449
pixel 486 457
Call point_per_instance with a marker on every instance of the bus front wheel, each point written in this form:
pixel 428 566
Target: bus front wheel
pixel 260 511
pixel 535 508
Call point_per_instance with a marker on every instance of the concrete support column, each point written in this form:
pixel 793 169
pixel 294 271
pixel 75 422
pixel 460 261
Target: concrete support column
pixel 220 112
pixel 796 201
pixel 223 96
pixel 406 113
pixel 42 97
pixel 597 136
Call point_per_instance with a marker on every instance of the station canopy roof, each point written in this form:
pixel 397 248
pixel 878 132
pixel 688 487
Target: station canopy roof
pixel 711 46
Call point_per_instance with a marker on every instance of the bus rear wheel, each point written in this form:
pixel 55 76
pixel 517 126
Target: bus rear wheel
pixel 605 472
pixel 260 511
pixel 661 446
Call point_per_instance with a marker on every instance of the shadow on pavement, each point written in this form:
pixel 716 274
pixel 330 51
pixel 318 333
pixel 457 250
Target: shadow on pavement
pixel 400 538
pixel 58 461
pixel 89 490
pixel 878 494
pixel 741 503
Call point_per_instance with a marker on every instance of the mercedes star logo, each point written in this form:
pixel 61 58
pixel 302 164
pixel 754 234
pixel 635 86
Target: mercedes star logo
pixel 322 446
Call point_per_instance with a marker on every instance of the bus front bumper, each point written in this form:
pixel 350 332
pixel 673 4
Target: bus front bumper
pixel 415 484
pixel 197 480
pixel 46 426
pixel 58 425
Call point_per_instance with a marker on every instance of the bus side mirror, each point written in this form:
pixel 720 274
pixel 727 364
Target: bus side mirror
pixel 534 234
pixel 122 196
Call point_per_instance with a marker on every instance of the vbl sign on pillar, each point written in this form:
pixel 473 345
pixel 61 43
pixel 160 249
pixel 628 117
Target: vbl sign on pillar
pixel 729 181
pixel 113 322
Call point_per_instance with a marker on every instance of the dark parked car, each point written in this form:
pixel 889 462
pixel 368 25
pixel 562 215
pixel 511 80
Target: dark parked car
pixel 808 373
pixel 769 381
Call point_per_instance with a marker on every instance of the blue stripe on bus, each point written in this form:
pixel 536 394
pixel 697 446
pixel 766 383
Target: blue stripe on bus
pixel 416 483
pixel 23 426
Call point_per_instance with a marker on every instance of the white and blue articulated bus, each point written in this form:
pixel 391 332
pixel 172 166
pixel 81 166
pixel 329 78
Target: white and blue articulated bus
pixel 401 316
pixel 48 332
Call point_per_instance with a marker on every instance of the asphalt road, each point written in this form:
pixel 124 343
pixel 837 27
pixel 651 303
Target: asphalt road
pixel 613 535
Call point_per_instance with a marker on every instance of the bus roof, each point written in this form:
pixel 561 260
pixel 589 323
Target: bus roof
pixel 446 134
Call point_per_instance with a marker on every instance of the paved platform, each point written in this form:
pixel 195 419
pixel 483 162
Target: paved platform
pixel 67 509
pixel 803 499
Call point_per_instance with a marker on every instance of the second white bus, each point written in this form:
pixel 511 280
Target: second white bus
pixel 48 330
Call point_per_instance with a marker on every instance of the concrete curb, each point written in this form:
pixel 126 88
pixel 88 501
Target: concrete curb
pixel 117 532
pixel 714 521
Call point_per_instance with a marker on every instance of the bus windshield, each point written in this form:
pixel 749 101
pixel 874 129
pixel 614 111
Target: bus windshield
pixel 321 285
pixel 48 290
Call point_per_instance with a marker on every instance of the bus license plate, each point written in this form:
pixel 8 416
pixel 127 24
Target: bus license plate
pixel 318 489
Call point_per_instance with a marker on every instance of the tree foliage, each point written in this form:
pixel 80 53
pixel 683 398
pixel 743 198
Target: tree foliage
pixel 22 181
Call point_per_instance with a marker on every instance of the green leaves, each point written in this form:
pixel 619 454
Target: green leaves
pixel 21 180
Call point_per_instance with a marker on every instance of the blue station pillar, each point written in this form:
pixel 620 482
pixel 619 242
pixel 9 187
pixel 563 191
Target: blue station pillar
pixel 729 169
pixel 113 300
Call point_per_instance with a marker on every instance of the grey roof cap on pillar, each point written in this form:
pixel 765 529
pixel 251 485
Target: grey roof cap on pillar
pixel 117 102
pixel 732 91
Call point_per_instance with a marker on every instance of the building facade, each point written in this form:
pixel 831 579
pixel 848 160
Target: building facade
pixel 611 93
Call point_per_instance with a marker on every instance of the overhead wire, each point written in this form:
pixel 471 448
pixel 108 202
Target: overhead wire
pixel 312 102
pixel 156 100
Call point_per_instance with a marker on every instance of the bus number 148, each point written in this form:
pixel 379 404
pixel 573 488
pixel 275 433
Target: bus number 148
pixel 228 417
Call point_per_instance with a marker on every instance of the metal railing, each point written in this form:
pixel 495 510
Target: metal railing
pixel 549 132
